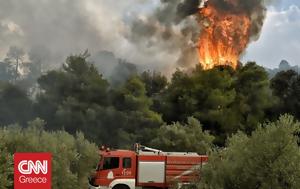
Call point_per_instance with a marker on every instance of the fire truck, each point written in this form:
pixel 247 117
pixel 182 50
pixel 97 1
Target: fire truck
pixel 145 168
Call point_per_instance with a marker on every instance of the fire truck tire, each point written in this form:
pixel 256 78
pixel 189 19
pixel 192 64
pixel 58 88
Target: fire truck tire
pixel 121 186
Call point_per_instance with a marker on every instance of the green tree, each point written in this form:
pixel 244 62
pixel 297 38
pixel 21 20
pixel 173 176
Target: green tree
pixel 223 99
pixel 78 98
pixel 69 96
pixel 132 96
pixel 286 86
pixel 131 99
pixel 205 94
pixel 188 137
pixel 177 102
pixel 15 105
pixel 73 157
pixel 154 82
pixel 78 78
pixel 269 158
pixel 215 95
pixel 6 167
pixel 254 96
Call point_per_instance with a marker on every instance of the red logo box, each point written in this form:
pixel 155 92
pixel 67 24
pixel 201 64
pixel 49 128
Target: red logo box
pixel 32 171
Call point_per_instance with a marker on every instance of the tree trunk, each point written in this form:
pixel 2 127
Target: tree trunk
pixel 17 69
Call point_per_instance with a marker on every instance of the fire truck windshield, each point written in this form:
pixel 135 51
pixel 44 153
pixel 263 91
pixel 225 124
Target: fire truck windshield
pixel 111 163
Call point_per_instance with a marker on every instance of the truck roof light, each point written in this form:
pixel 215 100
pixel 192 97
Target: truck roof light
pixel 102 148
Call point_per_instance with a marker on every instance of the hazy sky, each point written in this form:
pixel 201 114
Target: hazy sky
pixel 280 38
pixel 57 28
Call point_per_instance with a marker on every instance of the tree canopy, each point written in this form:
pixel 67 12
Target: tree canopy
pixel 269 158
pixel 183 137
pixel 286 87
pixel 15 105
pixel 224 100
pixel 73 157
pixel 216 111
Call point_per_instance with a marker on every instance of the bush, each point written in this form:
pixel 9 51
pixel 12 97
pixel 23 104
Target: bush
pixel 267 159
pixel 183 137
pixel 73 157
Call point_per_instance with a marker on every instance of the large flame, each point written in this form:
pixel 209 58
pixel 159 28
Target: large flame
pixel 224 36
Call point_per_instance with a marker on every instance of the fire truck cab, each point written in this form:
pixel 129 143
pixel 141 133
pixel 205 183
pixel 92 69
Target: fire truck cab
pixel 145 168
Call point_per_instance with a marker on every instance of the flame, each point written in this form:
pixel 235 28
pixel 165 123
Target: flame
pixel 224 36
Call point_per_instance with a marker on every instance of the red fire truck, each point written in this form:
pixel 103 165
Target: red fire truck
pixel 145 168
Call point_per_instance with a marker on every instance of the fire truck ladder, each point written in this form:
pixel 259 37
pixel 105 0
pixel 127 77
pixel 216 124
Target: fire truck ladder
pixel 140 149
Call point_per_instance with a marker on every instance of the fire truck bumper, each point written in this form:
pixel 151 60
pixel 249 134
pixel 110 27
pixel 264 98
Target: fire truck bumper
pixel 97 187
pixel 93 187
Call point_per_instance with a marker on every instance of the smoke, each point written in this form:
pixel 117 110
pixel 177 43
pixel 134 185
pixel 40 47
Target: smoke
pixel 148 33
pixel 59 28
pixel 170 29
pixel 174 26
pixel 161 35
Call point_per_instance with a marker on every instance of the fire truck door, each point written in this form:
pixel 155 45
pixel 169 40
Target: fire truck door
pixel 127 168
pixel 111 170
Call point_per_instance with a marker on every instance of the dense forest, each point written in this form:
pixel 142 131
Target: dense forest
pixel 236 116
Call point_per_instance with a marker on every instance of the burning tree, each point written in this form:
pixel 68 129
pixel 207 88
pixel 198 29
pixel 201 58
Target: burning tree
pixel 223 38
pixel 226 29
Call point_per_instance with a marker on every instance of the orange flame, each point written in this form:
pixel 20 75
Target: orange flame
pixel 223 38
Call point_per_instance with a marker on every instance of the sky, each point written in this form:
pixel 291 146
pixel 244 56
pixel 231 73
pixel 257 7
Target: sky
pixel 280 37
pixel 54 29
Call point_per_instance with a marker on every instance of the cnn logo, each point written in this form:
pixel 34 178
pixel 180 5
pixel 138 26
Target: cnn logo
pixel 27 167
pixel 32 171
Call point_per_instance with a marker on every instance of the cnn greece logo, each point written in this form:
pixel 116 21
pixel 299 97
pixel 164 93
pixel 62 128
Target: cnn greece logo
pixel 36 167
pixel 32 171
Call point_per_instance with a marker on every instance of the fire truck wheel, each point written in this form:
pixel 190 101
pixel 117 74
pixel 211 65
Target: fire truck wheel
pixel 121 186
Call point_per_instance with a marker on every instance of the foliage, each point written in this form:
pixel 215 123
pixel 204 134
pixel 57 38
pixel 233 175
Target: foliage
pixel 15 105
pixel 6 167
pixel 154 82
pixel 269 158
pixel 286 86
pixel 73 157
pixel 131 99
pixel 224 100
pixel 78 78
pixel 147 108
pixel 78 98
pixel 187 137
pixel 254 97
pixel 70 95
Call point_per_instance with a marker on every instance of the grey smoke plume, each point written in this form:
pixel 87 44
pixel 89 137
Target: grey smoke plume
pixel 62 27
pixel 174 25
pixel 56 28
pixel 169 29
pixel 161 35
